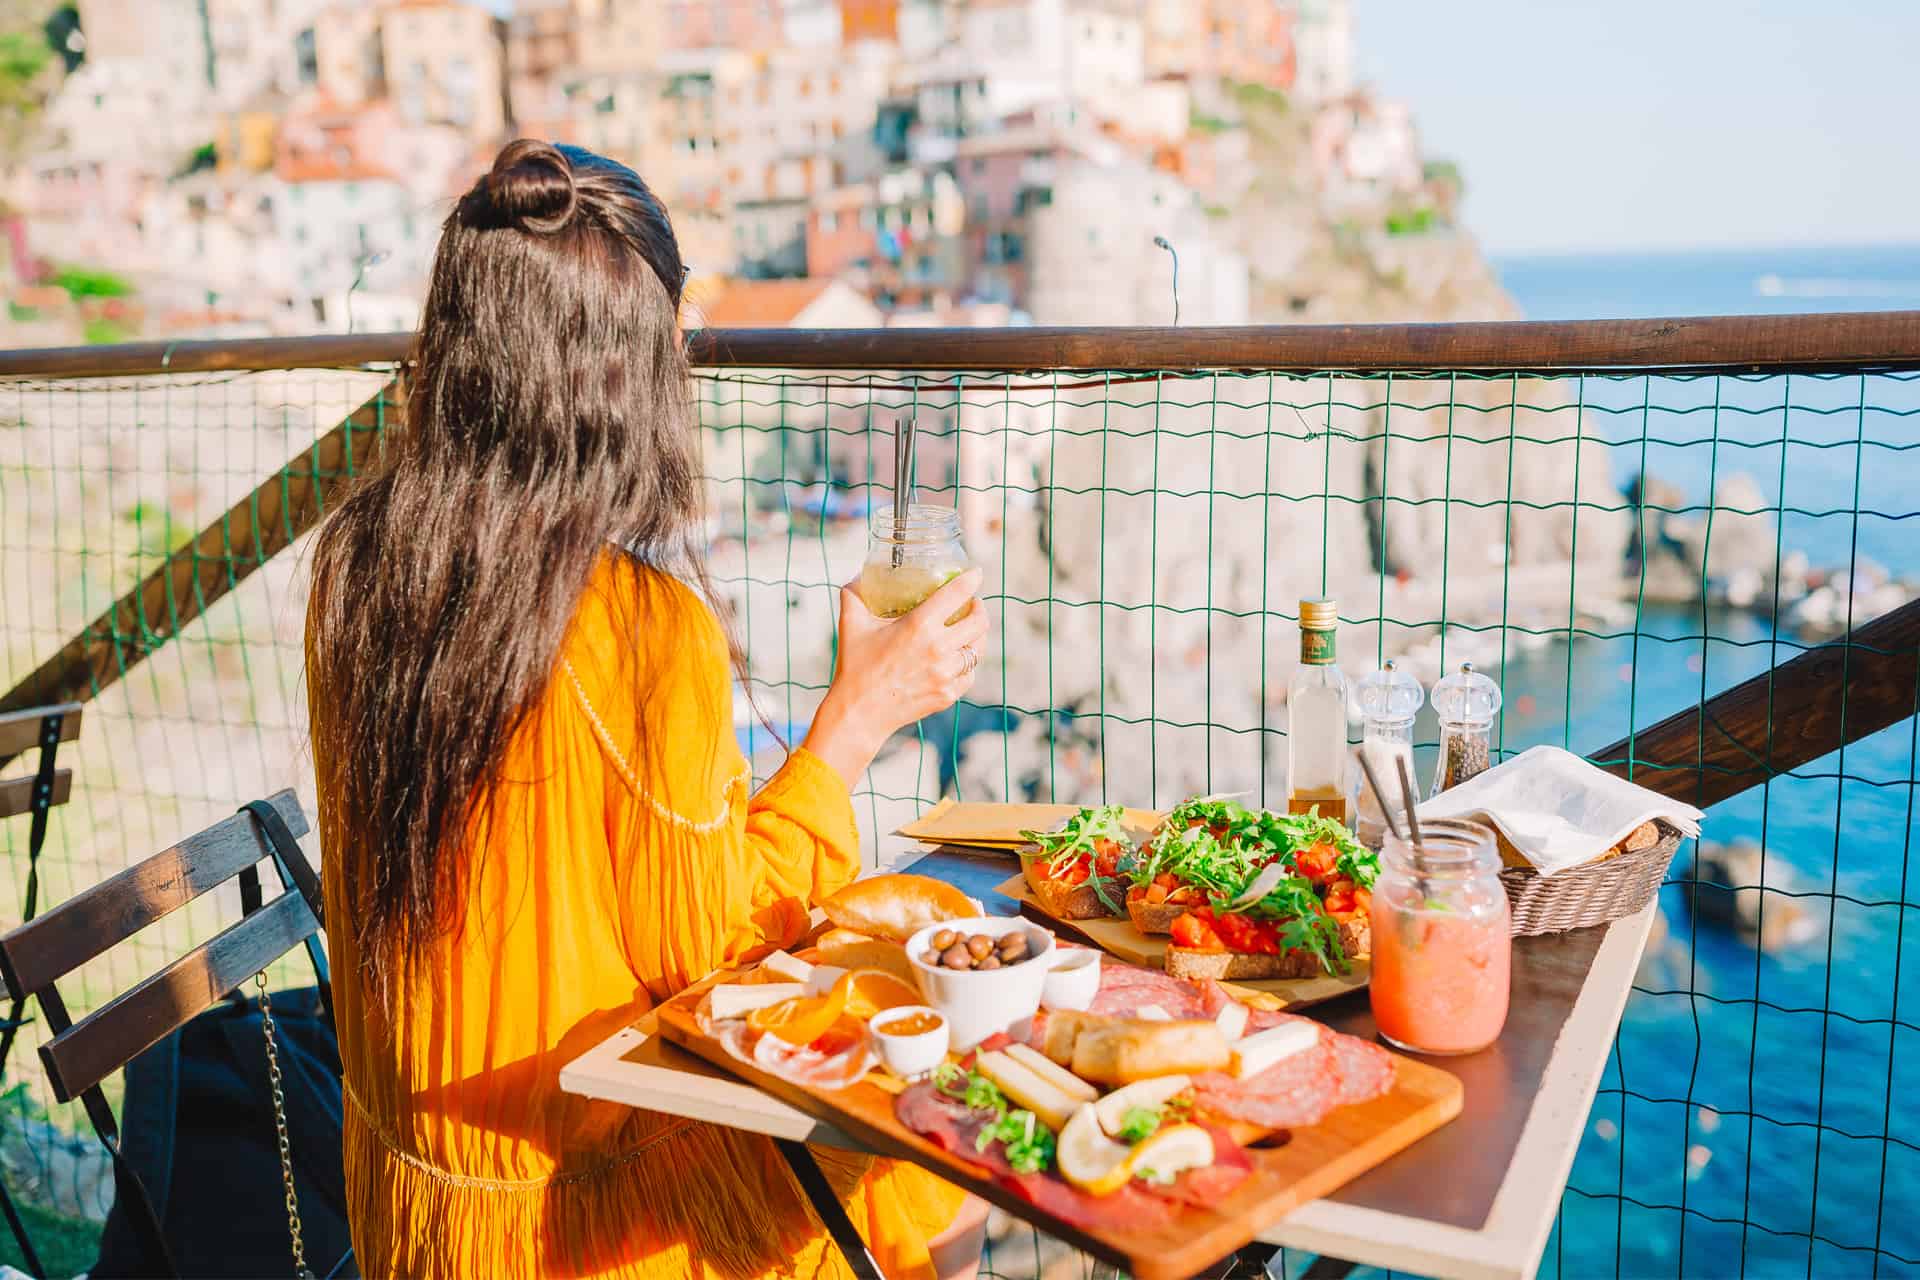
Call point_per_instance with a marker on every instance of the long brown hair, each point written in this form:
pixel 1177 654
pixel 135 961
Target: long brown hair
pixel 548 416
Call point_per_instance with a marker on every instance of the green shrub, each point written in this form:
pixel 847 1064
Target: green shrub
pixel 103 333
pixel 88 282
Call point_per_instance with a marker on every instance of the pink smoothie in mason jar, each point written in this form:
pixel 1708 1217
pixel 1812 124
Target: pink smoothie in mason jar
pixel 1442 941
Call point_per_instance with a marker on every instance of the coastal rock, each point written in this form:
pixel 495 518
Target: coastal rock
pixel 1732 896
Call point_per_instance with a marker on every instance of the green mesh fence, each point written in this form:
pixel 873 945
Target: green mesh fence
pixel 1611 549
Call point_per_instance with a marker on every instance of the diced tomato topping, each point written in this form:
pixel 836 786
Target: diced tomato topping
pixel 1362 900
pixel 1316 864
pixel 1156 893
pixel 1076 872
pixel 1108 861
pixel 1136 894
pixel 1194 930
pixel 1187 895
pixel 1167 880
pixel 1340 904
pixel 1339 885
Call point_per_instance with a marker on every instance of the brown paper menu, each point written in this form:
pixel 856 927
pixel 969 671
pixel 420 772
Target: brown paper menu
pixel 977 824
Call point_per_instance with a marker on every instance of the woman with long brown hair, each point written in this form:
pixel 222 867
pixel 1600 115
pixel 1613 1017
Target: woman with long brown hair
pixel 534 818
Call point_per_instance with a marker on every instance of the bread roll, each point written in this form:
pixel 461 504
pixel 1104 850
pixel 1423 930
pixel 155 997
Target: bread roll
pixel 854 952
pixel 1063 1027
pixel 1122 1052
pixel 896 907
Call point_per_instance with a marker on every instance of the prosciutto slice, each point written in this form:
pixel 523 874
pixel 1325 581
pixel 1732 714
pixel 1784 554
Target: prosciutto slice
pixel 951 1126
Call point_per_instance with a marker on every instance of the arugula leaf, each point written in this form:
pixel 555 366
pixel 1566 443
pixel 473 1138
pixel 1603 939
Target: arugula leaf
pixel 1081 834
pixel 1029 1144
pixel 1139 1124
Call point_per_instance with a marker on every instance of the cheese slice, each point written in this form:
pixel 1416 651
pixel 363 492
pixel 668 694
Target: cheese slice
pixel 1263 1049
pixel 1232 1020
pixel 787 967
pixel 1025 1088
pixel 737 1001
pixel 1152 1013
pixel 1047 1069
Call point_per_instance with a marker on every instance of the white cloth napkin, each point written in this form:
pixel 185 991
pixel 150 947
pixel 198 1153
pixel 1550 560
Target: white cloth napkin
pixel 1558 810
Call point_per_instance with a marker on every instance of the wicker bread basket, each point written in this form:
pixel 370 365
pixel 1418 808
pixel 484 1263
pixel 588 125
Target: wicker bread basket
pixel 1617 883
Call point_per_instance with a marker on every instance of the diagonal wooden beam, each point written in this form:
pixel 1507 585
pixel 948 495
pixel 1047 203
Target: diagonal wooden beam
pixel 222 556
pixel 1803 709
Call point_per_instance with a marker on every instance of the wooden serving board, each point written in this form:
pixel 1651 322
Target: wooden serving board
pixel 1118 938
pixel 1309 1164
pixel 980 825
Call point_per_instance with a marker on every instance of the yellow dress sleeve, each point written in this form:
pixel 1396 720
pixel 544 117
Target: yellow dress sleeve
pixel 707 873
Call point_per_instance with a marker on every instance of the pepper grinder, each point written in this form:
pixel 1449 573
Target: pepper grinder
pixel 1466 703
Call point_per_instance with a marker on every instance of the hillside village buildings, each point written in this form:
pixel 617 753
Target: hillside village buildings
pixel 940 158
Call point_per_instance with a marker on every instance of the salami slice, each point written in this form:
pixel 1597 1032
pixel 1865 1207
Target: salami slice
pixel 1365 1070
pixel 1291 1094
pixel 1126 989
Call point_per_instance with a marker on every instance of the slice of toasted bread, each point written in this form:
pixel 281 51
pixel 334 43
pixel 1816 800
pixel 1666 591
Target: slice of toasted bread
pixel 1067 901
pixel 1225 966
pixel 1154 917
pixel 1356 940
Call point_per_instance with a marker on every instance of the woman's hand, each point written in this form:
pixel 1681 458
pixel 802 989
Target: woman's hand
pixel 893 672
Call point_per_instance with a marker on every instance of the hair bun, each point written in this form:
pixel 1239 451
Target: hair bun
pixel 531 186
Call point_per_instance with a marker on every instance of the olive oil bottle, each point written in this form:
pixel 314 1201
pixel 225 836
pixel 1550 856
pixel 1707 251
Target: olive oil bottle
pixel 1317 718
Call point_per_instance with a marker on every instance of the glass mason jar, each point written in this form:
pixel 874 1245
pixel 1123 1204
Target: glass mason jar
pixel 1442 940
pixel 908 561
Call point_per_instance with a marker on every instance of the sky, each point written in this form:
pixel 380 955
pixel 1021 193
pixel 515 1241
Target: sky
pixel 1585 125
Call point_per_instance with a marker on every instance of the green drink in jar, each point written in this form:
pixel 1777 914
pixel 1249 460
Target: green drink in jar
pixel 908 560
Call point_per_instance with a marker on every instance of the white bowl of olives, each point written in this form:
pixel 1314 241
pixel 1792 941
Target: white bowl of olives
pixel 985 976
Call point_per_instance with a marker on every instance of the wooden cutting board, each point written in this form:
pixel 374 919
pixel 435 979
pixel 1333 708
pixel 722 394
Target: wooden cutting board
pixel 1118 938
pixel 998 826
pixel 1308 1164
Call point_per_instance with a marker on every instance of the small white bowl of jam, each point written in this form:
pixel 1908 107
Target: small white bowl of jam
pixel 911 1040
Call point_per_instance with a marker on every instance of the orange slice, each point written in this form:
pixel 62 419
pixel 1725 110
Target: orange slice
pixel 871 991
pixel 803 1019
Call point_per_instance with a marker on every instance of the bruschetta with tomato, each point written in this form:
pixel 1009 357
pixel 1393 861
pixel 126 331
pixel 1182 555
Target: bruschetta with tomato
pixel 1078 871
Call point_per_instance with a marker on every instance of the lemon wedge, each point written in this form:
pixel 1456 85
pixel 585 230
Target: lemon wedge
pixel 1090 1160
pixel 1112 1109
pixel 1171 1152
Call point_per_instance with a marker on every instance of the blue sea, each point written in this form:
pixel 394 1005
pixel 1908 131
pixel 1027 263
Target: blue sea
pixel 1766 1090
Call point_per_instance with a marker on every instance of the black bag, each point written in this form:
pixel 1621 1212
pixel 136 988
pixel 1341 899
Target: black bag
pixel 197 1126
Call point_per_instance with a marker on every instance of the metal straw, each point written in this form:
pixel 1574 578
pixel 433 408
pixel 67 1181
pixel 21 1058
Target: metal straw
pixel 902 484
pixel 1406 794
pixel 1420 882
pixel 1379 794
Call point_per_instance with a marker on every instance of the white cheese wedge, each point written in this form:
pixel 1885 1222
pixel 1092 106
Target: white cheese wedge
pixel 1047 1069
pixel 787 967
pixel 1262 1049
pixel 736 1001
pixel 1152 1013
pixel 821 980
pixel 1232 1020
pixel 1025 1088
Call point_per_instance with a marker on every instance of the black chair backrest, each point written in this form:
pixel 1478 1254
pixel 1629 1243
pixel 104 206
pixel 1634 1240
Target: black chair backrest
pixel 22 731
pixel 35 956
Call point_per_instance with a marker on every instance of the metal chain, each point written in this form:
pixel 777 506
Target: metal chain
pixel 300 1267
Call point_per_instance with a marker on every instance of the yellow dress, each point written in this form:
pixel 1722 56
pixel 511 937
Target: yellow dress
pixel 622 859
